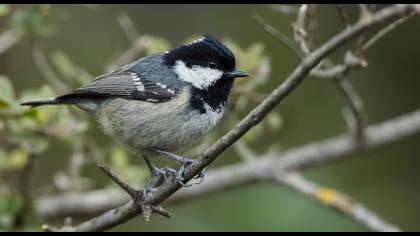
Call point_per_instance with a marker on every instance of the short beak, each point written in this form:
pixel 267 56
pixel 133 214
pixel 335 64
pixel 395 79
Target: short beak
pixel 236 73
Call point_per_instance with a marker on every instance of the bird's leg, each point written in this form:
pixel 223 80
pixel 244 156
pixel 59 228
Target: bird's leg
pixel 154 171
pixel 184 163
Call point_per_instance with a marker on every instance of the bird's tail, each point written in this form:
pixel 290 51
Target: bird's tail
pixel 85 103
pixel 40 102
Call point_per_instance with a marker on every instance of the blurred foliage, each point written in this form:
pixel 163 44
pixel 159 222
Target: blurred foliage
pixel 31 19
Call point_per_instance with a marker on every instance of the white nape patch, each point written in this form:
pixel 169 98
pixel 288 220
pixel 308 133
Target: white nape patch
pixel 200 77
pixel 196 41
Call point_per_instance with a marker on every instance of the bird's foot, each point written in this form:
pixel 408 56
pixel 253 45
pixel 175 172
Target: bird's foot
pixel 155 172
pixel 184 163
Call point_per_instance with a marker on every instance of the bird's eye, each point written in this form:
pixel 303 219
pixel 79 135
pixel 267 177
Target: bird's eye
pixel 212 64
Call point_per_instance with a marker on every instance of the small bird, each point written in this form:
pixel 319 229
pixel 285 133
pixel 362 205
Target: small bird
pixel 161 103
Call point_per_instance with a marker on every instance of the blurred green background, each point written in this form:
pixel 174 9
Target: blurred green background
pixel 386 180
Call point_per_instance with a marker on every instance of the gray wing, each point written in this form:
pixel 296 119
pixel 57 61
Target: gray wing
pixel 127 84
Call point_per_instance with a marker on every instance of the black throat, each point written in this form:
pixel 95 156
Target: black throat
pixel 215 96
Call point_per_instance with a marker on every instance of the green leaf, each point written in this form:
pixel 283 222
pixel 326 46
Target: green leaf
pixel 17 159
pixel 119 159
pixel 30 113
pixel 246 59
pixel 135 174
pixel 253 133
pixel 63 63
pixel 35 145
pixel 4 9
pixel 6 92
pixel 9 205
pixel 274 121
pixel 30 19
pixel 3 104
pixel 3 160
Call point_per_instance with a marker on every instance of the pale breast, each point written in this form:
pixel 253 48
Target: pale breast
pixel 144 126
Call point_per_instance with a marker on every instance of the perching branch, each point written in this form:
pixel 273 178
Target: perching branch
pixel 130 210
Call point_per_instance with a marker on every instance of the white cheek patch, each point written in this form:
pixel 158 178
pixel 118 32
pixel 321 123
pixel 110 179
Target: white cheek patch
pixel 200 77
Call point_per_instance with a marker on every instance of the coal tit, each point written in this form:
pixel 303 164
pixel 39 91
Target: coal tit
pixel 161 103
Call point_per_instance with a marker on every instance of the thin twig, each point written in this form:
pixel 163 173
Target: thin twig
pixel 48 228
pixel 285 9
pixel 312 20
pixel 364 12
pixel 244 151
pixel 300 32
pixel 385 31
pixel 138 42
pixel 128 26
pixel 336 200
pixel 46 70
pixel 356 108
pixel 135 195
pixel 271 30
pixel 334 72
pixel 343 15
pixel 138 46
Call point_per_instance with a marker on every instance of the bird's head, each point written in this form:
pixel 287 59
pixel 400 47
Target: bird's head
pixel 203 62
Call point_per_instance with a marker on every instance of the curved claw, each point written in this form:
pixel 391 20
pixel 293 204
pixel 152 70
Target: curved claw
pixel 147 189
pixel 180 180
pixel 184 163
pixel 201 176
